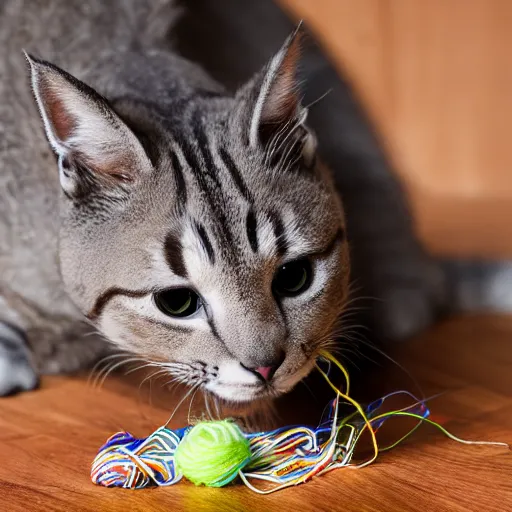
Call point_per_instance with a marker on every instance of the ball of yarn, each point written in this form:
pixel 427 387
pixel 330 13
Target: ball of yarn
pixel 212 453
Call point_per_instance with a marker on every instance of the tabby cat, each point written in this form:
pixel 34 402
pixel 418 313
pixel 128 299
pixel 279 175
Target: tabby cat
pixel 142 203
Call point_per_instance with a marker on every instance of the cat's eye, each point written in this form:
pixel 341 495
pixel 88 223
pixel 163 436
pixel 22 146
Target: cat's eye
pixel 293 278
pixel 178 302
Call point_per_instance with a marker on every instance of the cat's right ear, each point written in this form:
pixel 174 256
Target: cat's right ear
pixel 85 132
pixel 271 102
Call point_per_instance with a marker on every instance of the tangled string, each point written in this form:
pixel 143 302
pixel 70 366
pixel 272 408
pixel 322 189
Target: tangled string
pixel 131 463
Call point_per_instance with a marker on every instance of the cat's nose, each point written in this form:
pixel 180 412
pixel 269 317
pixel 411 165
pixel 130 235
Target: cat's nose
pixel 267 372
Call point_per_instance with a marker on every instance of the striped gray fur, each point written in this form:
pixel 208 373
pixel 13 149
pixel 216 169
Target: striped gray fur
pixel 162 186
pixel 165 179
pixel 207 245
pixel 405 288
pixel 252 230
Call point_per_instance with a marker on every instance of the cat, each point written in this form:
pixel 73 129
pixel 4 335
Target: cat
pixel 143 203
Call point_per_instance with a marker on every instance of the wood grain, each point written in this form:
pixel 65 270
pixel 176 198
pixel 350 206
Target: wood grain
pixel 48 439
pixel 436 79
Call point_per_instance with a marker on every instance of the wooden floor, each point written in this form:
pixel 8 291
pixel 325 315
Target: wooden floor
pixel 48 439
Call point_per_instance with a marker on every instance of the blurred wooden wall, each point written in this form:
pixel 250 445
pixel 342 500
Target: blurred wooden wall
pixel 436 78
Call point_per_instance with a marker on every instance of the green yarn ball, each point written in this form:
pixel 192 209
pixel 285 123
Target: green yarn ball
pixel 212 453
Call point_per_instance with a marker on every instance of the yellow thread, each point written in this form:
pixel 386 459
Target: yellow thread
pixel 399 412
pixel 330 357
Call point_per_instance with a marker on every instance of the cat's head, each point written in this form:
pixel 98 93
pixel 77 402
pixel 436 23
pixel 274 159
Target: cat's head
pixel 201 233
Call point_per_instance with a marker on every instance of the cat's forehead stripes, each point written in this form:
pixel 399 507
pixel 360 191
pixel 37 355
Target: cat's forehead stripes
pixel 174 255
pixel 181 188
pixel 252 230
pixel 205 242
pixel 228 222
pixel 279 232
pixel 230 165
pixel 199 158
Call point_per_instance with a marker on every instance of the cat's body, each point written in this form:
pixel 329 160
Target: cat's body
pixel 182 194
pixel 32 295
pixel 51 277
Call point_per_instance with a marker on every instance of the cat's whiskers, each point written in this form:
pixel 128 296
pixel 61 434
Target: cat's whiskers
pixel 277 144
pixel 353 333
pixel 272 147
pixel 191 402
pixel 102 376
pixel 154 375
pixel 108 358
pixel 187 394
pixel 148 364
pixel 283 163
pixel 107 361
pixel 207 396
pixel 217 407
pixel 318 100
pixel 305 384
pixel 395 362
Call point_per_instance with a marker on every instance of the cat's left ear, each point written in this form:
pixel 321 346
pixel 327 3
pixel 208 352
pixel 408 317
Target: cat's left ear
pixel 275 101
pixel 90 139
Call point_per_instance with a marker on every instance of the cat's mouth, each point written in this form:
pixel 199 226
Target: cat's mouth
pixel 239 392
pixel 236 384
